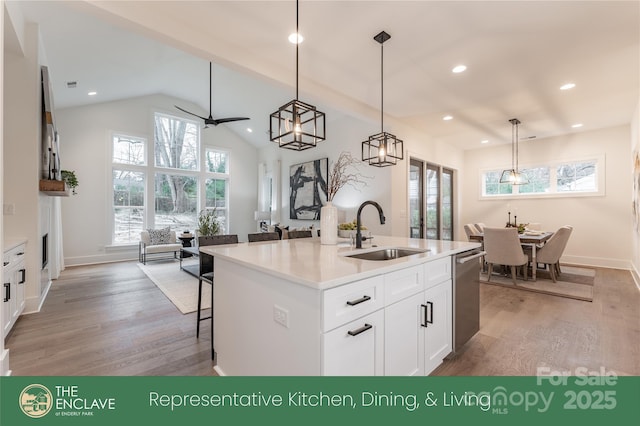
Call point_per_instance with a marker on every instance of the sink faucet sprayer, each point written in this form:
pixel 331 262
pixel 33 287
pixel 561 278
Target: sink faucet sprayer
pixel 358 232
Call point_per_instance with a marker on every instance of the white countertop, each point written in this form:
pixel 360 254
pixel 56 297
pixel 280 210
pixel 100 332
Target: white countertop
pixel 310 263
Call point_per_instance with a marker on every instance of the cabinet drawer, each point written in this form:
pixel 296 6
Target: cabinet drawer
pixel 350 301
pixel 404 283
pixel 14 255
pixel 356 348
pixel 437 271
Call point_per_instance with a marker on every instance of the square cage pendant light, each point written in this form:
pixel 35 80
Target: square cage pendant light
pixel 382 149
pixel 513 175
pixel 297 125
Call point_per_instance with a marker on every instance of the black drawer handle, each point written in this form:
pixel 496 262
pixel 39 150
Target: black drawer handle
pixel 357 302
pixel 428 309
pixel 6 263
pixel 21 253
pixel 7 292
pixel 23 278
pixel 360 330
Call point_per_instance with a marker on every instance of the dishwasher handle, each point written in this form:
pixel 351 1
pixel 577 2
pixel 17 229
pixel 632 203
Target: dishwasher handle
pixel 468 258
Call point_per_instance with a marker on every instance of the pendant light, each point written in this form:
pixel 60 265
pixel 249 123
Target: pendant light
pixel 382 149
pixel 513 175
pixel 297 125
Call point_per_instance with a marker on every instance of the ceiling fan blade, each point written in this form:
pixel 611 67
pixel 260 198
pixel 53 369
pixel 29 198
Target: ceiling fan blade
pixel 229 119
pixel 190 113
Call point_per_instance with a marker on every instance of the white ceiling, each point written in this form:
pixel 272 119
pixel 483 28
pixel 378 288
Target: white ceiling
pixel 518 54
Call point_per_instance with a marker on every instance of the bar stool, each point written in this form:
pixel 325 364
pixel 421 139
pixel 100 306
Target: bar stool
pixel 206 275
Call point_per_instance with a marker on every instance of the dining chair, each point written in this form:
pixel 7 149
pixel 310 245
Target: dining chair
pixel 263 236
pixel 470 229
pixel 480 226
pixel 300 234
pixel 206 275
pixel 503 248
pixel 550 253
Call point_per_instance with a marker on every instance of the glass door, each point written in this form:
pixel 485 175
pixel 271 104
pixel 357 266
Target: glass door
pixel 416 203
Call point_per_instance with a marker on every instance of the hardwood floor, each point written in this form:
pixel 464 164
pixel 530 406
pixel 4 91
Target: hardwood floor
pixel 112 320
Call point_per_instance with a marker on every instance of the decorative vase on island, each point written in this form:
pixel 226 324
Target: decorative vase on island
pixel 329 224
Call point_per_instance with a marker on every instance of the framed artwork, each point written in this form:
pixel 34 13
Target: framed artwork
pixel 308 189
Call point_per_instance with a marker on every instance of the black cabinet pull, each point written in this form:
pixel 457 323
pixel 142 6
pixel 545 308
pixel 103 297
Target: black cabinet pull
pixel 358 301
pixel 7 292
pixel 431 312
pixel 21 253
pixel 360 330
pixel 6 263
pixel 424 315
pixel 23 278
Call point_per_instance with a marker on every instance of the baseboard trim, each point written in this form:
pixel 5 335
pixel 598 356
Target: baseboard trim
pixel 218 370
pixel 636 275
pixel 599 262
pixel 4 363
pixel 33 305
pixel 98 259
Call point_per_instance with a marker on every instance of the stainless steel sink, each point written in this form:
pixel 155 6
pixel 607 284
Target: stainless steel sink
pixel 387 254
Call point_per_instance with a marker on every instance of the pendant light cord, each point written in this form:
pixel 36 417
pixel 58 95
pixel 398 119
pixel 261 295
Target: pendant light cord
pixel 297 43
pixel 381 87
pixel 517 169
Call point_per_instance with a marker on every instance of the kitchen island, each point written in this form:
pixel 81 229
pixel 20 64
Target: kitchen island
pixel 296 307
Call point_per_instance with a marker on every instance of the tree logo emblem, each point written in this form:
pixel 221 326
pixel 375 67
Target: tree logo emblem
pixel 36 401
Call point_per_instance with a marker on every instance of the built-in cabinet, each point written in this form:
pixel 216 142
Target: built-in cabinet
pixel 395 324
pixel 13 288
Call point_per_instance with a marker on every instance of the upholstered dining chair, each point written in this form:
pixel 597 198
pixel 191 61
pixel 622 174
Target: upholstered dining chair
pixel 550 253
pixel 206 275
pixel 503 248
pixel 480 226
pixel 470 229
pixel 300 234
pixel 263 236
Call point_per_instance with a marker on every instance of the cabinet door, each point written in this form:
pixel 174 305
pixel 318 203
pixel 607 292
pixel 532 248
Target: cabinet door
pixel 356 348
pixel 437 318
pixel 404 337
pixel 7 302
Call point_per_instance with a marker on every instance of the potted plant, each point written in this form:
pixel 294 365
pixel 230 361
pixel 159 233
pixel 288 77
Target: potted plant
pixel 208 223
pixel 70 179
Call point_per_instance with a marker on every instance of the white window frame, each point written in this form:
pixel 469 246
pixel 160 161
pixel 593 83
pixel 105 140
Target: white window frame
pixel 553 192
pixel 219 176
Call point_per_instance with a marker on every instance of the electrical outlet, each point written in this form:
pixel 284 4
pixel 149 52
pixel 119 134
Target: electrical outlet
pixel 281 316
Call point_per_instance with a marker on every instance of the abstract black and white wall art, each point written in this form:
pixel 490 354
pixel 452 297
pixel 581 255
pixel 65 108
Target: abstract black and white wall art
pixel 308 189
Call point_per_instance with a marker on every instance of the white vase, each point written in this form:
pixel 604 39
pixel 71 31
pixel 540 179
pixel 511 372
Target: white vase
pixel 329 224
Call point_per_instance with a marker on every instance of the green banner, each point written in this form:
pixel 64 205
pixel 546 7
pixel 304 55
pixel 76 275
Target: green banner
pixel 584 400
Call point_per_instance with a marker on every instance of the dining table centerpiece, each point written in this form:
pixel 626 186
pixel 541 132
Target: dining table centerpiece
pixel 344 171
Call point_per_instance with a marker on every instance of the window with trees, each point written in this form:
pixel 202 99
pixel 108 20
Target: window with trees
pixel 173 178
pixel 560 178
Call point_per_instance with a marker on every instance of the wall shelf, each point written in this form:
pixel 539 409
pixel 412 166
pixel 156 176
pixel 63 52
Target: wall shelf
pixel 54 188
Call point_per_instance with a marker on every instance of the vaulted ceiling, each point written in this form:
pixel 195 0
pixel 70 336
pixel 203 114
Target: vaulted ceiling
pixel 517 54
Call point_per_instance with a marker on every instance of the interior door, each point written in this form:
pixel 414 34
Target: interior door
pixel 416 199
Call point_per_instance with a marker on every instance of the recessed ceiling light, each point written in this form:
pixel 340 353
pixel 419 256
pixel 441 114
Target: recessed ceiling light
pixel 249 129
pixel 296 38
pixel 575 126
pixel 484 141
pixel 567 86
pixel 92 93
pixel 447 117
pixel 459 68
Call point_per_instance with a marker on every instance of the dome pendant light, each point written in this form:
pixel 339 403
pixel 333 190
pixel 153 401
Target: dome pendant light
pixel 382 149
pixel 513 175
pixel 297 125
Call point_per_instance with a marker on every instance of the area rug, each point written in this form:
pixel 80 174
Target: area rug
pixel 179 287
pixel 573 283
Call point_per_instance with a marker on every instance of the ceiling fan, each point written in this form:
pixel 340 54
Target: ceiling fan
pixel 210 119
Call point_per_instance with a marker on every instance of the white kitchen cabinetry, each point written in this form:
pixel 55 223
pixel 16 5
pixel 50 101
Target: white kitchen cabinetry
pixel 399 323
pixel 14 274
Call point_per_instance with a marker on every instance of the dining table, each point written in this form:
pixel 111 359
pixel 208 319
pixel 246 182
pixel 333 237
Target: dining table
pixel 531 239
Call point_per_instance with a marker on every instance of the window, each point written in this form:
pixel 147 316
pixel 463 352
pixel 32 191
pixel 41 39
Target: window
pixel 555 179
pixel 174 178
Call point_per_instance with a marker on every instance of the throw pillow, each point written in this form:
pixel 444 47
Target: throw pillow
pixel 159 236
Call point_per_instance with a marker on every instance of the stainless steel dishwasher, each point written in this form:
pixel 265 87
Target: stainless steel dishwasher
pixel 466 296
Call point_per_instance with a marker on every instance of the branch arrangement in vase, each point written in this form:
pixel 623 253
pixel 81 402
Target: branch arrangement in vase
pixel 345 171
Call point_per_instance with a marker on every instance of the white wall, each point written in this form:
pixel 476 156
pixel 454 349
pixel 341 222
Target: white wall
pixel 602 224
pixel 635 148
pixel 388 185
pixel 85 138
